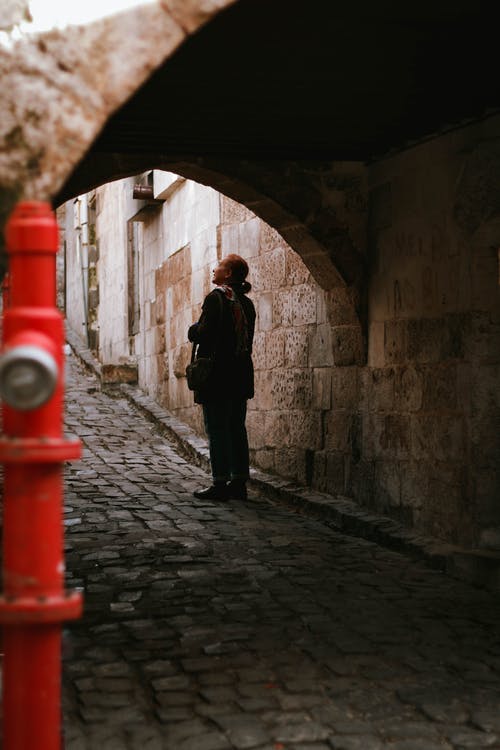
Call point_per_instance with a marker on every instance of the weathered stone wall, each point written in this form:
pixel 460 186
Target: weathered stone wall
pixel 412 433
pixel 429 398
pixel 75 310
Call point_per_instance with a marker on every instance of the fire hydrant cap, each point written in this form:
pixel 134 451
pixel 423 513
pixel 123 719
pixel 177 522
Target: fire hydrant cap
pixel 28 377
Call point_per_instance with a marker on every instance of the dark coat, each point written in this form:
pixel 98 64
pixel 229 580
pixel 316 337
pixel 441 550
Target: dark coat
pixel 232 375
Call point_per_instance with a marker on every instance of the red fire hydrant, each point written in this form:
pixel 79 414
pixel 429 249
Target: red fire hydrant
pixel 34 603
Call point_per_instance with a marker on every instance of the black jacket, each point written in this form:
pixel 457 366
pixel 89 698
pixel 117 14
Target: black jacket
pixel 215 334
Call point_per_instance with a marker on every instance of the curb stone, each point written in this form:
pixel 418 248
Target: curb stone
pixel 477 567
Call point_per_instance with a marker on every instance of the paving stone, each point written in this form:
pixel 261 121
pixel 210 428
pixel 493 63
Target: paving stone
pixel 208 741
pixel 464 737
pixel 488 719
pixel 356 742
pixel 197 612
pixel 419 744
pixel 309 732
pixel 243 731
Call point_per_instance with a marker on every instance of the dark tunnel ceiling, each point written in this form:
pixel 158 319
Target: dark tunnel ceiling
pixel 271 79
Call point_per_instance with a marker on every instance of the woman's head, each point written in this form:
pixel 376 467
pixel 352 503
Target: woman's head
pixel 233 270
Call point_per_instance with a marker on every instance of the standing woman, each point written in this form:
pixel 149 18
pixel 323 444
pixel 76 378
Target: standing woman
pixel 225 333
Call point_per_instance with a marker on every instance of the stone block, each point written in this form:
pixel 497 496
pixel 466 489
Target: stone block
pixel 257 275
pixel 320 346
pixel 263 458
pixel 282 388
pixel 322 388
pixel 446 513
pixel 395 342
pixel 348 346
pixel 291 388
pixel 160 308
pixel 486 389
pixel 282 309
pixel 296 270
pixel 249 238
pixel 289 463
pixel 408 389
pixel 255 429
pixel 435 339
pixel 361 481
pixel 122 373
pixel 265 312
pixel 233 212
pixel 487 491
pixel 230 239
pixel 277 428
pixel 181 358
pixel 270 239
pixel 182 294
pixel 345 387
pixel 297 346
pixel 321 311
pixel 376 344
pixel 303 304
pixel 490 538
pixel 305 429
pixel 439 387
pixel 338 426
pixel 275 348
pixel 379 387
pixel 150 342
pixel 438 437
pixel 199 285
pixel 484 279
pixel 395 437
pixel 465 389
pixel 341 306
pixel 387 487
pixel 335 481
pixel 386 436
pixel 160 342
pixel 259 351
pixel 263 398
pixel 413 479
pixel 177 331
pixel 319 471
pixel 275 269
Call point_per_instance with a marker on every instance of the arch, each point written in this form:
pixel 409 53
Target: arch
pixel 323 248
pixel 53 102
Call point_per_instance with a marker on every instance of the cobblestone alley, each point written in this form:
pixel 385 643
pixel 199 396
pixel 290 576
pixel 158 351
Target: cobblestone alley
pixel 210 626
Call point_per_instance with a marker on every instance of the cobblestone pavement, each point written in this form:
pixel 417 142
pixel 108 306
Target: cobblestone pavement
pixel 244 625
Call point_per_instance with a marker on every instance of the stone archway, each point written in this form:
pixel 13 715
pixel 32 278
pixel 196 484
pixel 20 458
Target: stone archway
pixel 58 105
pixel 59 88
pixel 320 210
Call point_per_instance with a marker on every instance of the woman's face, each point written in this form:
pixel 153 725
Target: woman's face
pixel 221 274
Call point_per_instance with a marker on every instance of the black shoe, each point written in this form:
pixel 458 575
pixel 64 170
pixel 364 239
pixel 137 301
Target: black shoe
pixel 237 490
pixel 217 491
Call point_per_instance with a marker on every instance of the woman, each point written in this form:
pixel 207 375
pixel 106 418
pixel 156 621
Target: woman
pixel 225 333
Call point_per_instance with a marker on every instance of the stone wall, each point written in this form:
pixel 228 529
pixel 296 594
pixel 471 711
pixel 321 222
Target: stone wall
pixel 429 398
pixel 409 429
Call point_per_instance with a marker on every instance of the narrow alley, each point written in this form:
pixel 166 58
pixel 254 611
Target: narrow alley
pixel 210 626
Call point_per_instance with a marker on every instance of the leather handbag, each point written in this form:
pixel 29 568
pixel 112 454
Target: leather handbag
pixel 198 371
